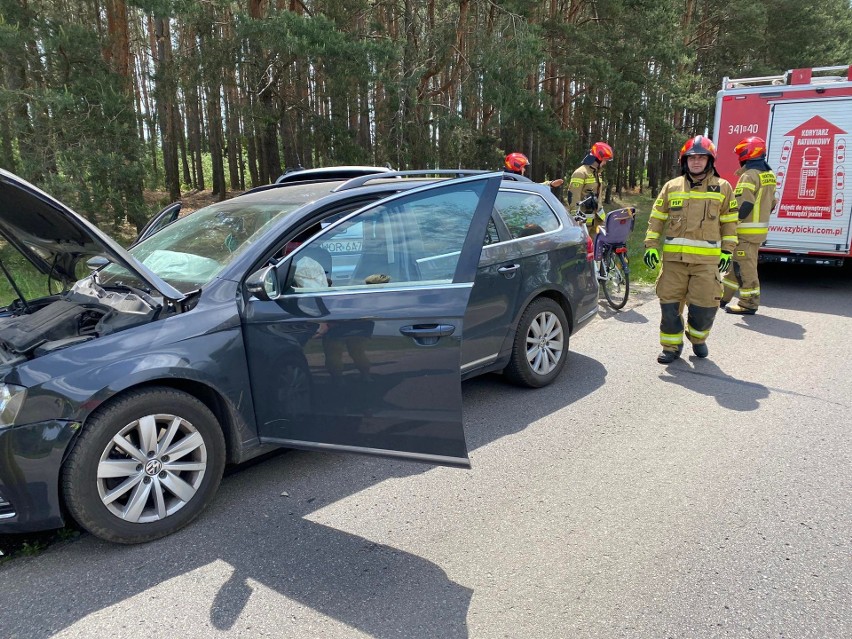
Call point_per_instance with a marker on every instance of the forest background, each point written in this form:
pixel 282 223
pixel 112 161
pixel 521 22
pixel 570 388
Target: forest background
pixel 102 100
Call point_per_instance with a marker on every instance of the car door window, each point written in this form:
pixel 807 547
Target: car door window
pixel 417 241
pixel 525 214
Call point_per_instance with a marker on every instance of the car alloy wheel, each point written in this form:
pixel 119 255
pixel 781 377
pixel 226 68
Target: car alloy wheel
pixel 544 343
pixel 541 342
pixel 145 465
pixel 151 468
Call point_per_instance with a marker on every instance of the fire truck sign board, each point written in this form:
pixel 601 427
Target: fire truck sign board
pixel 807 150
pixel 807 125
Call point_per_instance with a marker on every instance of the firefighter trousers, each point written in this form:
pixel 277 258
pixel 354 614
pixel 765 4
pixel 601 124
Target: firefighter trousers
pixel 742 277
pixel 695 286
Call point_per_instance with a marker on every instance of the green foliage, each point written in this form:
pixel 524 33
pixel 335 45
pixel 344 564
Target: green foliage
pixel 32 283
pixel 88 153
pixel 33 544
pixel 636 240
pixel 413 84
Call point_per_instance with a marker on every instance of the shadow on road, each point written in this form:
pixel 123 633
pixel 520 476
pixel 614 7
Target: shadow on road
pixel 765 325
pixel 639 295
pixel 256 533
pixel 799 287
pixel 705 377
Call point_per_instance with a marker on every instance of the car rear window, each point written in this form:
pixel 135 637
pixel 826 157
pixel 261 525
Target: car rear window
pixel 525 214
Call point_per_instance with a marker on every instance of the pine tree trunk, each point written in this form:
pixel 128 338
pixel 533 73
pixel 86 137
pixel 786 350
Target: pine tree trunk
pixel 166 107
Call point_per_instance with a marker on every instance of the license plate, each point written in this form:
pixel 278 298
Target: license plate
pixel 348 246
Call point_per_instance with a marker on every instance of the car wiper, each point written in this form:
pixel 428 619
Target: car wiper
pixel 15 286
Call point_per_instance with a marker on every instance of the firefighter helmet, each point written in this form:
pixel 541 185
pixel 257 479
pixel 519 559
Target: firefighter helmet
pixel 516 162
pixel 601 151
pixel 750 148
pixel 699 145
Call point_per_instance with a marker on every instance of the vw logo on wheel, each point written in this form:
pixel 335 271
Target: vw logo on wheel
pixel 153 467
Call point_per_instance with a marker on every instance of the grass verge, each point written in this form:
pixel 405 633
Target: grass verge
pixel 639 273
pixel 32 544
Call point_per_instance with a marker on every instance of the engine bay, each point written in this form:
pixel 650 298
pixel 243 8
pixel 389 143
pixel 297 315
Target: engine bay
pixel 84 312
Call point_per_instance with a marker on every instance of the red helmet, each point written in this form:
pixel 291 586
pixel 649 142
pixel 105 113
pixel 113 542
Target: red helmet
pixel 516 162
pixel 750 148
pixel 699 145
pixel 601 151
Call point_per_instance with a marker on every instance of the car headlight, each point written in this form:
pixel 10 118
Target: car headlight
pixel 11 399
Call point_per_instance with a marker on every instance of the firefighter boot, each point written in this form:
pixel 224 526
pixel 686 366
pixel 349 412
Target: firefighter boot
pixel 698 328
pixel 667 356
pixel 738 309
pixel 700 350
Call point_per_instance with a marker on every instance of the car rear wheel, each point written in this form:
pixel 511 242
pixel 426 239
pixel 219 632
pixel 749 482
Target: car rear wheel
pixel 144 466
pixel 541 345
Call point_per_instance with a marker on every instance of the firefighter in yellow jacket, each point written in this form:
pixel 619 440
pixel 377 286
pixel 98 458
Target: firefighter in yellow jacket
pixel 696 213
pixel 755 193
pixel 585 185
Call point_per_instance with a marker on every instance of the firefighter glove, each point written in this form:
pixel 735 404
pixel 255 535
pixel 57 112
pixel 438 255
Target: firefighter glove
pixel 592 202
pixel 652 258
pixel 724 261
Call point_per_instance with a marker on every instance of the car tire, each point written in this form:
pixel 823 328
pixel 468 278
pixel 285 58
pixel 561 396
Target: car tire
pixel 119 491
pixel 541 345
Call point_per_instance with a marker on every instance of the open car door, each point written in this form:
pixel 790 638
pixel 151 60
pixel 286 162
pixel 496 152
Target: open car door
pixel 365 357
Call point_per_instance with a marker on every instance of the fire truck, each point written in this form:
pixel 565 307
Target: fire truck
pixel 805 116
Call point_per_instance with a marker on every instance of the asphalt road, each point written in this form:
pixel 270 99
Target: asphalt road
pixel 709 498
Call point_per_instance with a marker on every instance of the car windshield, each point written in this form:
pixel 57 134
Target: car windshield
pixel 194 249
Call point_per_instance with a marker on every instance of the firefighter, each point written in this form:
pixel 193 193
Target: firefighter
pixel 755 195
pixel 517 163
pixel 585 185
pixel 696 213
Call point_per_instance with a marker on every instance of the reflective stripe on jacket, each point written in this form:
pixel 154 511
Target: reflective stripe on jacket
pixel 699 220
pixel 585 181
pixel 757 187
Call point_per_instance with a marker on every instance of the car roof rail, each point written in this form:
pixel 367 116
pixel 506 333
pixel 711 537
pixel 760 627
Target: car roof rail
pixel 267 187
pixel 281 185
pixel 361 180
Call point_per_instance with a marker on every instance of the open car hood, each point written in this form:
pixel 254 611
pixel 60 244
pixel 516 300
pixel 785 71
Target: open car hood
pixel 55 239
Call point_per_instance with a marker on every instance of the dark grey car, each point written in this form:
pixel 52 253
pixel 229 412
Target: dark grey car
pixel 331 316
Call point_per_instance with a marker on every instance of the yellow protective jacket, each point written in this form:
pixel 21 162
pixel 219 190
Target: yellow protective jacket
pixel 585 181
pixel 700 220
pixel 757 187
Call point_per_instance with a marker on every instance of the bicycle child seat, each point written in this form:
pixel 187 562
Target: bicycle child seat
pixel 615 228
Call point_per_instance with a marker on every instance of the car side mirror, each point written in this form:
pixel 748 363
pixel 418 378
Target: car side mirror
pixel 96 262
pixel 263 284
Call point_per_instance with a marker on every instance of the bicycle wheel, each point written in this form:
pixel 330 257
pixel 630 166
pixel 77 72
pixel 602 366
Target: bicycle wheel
pixel 616 286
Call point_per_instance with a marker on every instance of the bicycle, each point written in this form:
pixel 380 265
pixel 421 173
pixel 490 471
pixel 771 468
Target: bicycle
pixel 611 252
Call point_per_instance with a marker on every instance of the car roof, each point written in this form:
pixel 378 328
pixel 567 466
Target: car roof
pixel 330 191
pixel 329 173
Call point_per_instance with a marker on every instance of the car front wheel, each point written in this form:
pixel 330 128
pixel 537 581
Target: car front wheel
pixel 541 344
pixel 144 466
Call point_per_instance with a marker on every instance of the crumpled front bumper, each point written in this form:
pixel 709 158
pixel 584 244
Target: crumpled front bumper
pixel 30 460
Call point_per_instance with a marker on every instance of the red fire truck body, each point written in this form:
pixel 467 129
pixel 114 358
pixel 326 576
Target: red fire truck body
pixel 806 119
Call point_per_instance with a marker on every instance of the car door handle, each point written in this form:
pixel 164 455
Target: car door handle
pixel 509 271
pixel 428 334
pixel 428 330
